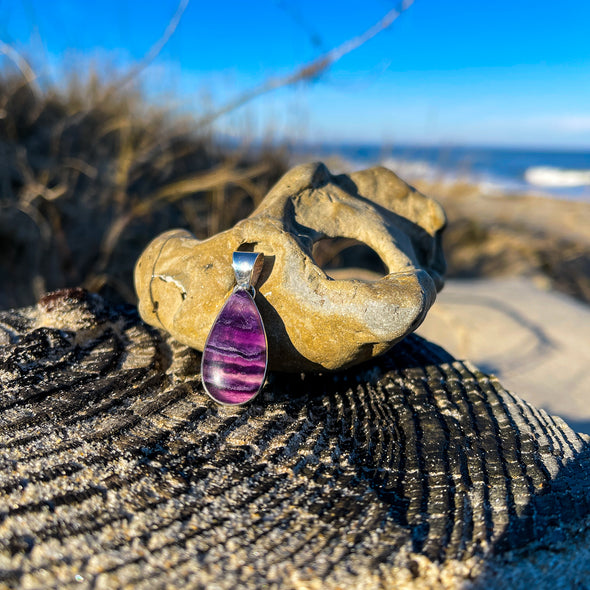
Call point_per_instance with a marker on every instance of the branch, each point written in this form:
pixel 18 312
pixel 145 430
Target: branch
pixel 21 63
pixel 175 191
pixel 149 57
pixel 311 69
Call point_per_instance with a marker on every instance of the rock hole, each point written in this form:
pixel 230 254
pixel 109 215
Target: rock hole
pixel 247 247
pixel 346 258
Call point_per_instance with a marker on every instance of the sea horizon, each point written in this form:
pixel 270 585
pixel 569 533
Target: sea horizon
pixel 560 172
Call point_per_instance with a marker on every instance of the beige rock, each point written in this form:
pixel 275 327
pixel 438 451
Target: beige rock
pixel 313 322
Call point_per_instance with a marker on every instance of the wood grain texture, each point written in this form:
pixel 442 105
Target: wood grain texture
pixel 116 469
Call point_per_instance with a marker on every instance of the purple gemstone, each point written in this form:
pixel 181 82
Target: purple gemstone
pixel 234 359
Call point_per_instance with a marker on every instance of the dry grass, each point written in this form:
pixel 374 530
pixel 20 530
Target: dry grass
pixel 90 174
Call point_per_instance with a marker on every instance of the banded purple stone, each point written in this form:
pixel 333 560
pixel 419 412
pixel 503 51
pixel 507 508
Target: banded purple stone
pixel 234 360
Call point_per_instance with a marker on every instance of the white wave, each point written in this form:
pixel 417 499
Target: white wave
pixel 556 177
pixel 412 169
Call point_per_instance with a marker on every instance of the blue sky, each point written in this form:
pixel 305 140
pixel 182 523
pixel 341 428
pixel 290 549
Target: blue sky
pixel 483 72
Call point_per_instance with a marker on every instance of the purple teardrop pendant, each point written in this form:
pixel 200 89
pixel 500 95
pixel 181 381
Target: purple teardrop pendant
pixel 235 355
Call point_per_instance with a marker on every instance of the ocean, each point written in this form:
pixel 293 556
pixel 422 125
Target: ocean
pixel 564 174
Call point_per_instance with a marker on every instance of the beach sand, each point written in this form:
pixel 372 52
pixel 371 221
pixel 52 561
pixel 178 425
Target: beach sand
pixel 561 219
pixel 536 342
pixel 520 256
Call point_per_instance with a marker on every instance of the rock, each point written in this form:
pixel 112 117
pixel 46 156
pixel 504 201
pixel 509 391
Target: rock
pixel 411 471
pixel 312 321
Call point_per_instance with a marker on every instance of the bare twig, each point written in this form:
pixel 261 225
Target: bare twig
pixel 149 57
pixel 302 22
pixel 220 176
pixel 309 70
pixel 21 63
pixel 171 193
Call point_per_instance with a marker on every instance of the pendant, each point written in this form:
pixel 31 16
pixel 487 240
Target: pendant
pixel 235 357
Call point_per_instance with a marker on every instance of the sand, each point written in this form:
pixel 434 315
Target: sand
pixel 561 219
pixel 536 341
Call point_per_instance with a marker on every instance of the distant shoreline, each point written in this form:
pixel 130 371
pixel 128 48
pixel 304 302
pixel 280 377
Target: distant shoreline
pixel 563 174
pixel 504 233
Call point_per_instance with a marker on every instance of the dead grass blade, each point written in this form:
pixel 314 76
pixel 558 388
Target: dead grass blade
pixel 309 70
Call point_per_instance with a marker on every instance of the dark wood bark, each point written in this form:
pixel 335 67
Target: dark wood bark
pixel 117 469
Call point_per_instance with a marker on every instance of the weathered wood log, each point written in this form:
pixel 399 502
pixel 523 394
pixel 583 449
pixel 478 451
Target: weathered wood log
pixel 116 470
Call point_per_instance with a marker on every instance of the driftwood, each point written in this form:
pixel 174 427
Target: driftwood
pixel 413 470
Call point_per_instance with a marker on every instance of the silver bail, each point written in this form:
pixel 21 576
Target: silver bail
pixel 247 267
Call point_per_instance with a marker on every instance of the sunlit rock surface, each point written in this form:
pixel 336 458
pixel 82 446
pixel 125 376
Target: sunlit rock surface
pixel 313 321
